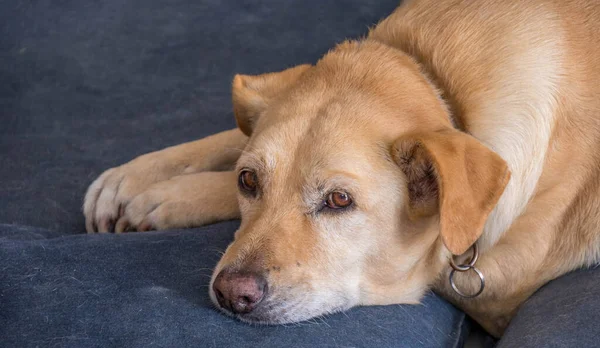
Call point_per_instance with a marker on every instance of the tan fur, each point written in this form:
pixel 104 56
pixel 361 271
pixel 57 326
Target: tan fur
pixel 381 118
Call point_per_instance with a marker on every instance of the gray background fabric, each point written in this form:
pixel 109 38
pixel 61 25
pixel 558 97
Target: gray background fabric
pixel 86 85
pixel 564 313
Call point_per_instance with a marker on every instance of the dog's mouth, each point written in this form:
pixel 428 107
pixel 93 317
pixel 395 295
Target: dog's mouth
pixel 277 310
pixel 267 313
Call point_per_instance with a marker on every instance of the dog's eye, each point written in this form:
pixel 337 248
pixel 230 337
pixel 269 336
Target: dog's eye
pixel 338 200
pixel 248 181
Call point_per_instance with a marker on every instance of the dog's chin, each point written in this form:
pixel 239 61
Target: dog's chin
pixel 282 313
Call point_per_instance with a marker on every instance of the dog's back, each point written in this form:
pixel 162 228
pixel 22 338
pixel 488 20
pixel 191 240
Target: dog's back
pixel 522 77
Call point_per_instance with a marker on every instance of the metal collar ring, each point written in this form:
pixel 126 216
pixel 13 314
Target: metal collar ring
pixel 468 265
pixel 462 294
pixel 464 267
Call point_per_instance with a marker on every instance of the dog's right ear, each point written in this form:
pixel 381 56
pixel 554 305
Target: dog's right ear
pixel 454 175
pixel 252 94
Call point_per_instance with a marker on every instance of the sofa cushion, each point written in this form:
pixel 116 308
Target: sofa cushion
pixel 563 313
pixel 150 290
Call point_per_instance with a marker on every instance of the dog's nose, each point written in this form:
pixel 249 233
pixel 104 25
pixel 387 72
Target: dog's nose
pixel 239 292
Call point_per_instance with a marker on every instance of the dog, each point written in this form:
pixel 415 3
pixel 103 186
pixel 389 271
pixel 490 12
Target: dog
pixel 454 127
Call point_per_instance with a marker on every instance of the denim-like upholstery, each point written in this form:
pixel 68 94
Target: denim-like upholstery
pixel 150 290
pixel 563 313
pixel 86 85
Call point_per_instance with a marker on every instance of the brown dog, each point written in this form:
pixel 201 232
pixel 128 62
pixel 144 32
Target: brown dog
pixel 359 178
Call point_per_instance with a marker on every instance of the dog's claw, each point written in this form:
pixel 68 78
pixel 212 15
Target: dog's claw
pixel 122 225
pixel 145 226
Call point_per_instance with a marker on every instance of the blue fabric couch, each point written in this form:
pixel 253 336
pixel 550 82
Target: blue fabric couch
pixel 89 84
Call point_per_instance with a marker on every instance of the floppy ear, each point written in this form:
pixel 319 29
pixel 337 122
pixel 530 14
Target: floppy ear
pixel 252 94
pixel 455 175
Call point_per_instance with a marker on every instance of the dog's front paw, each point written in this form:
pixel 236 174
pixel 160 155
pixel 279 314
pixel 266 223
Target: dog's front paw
pixel 108 195
pixel 182 201
pixel 160 207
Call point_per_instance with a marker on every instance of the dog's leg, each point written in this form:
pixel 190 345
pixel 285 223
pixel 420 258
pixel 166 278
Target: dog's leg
pixel 182 201
pixel 506 287
pixel 108 196
pixel 540 246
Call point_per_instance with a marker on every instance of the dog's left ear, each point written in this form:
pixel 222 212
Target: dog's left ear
pixel 455 175
pixel 252 93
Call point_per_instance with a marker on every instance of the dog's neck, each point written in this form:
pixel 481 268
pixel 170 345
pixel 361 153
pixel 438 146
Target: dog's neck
pixel 442 94
pixel 445 98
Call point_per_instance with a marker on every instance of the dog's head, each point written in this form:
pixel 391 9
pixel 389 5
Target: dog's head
pixel 354 188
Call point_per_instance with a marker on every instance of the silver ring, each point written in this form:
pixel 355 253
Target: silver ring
pixel 462 294
pixel 470 264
